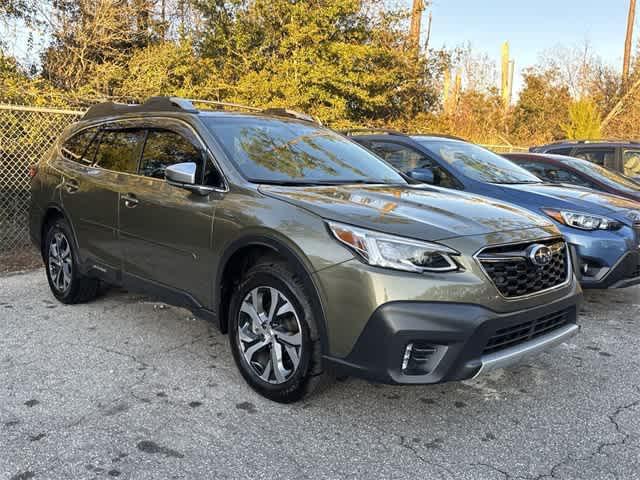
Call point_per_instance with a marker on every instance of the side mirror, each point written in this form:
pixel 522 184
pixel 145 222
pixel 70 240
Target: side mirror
pixel 424 175
pixel 183 175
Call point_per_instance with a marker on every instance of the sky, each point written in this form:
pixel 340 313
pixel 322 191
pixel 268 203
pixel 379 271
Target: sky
pixel 532 26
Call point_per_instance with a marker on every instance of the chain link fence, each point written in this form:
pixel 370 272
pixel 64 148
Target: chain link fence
pixel 26 133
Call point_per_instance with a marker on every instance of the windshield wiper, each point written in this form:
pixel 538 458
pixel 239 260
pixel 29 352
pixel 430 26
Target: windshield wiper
pixel 301 183
pixel 522 182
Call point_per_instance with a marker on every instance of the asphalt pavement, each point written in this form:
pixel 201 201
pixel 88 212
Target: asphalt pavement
pixel 131 388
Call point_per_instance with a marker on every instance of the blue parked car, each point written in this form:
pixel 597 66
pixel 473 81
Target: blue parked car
pixel 603 230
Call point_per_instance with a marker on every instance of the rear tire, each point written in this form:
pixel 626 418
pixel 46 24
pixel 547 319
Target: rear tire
pixel 273 333
pixel 67 284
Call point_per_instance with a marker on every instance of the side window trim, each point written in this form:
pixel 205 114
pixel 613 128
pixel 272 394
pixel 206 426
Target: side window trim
pixel 147 123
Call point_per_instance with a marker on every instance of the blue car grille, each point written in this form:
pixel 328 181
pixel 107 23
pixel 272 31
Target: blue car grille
pixel 515 275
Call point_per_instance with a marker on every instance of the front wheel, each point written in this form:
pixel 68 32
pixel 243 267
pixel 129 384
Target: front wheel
pixel 273 333
pixel 67 284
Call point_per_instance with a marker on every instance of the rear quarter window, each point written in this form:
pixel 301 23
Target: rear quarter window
pixel 631 160
pixel 74 148
pixel 605 157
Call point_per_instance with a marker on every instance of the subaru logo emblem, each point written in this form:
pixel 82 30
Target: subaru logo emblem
pixel 540 255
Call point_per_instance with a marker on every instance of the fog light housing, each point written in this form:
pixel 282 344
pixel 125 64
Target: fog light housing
pixel 420 357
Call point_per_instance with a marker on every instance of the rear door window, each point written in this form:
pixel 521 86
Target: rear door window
pixel 631 161
pixel 119 150
pixel 164 148
pixel 605 157
pixel 76 146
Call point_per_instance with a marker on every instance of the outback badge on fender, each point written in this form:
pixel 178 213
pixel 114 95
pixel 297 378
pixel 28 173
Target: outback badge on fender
pixel 540 255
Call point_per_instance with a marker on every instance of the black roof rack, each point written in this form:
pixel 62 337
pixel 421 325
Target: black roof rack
pixel 177 104
pixel 286 112
pixel 440 135
pixel 588 141
pixel 153 104
pixel 387 131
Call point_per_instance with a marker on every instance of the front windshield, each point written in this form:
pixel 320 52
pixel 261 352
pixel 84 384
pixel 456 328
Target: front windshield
pixel 478 163
pixel 608 177
pixel 282 151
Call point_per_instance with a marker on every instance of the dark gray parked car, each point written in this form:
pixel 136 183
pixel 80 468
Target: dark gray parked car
pixel 316 256
pixel 621 156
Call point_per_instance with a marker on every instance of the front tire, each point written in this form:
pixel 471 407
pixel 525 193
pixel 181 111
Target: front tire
pixel 67 284
pixel 273 333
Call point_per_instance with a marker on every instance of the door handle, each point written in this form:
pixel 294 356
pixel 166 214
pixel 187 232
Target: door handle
pixel 71 185
pixel 130 200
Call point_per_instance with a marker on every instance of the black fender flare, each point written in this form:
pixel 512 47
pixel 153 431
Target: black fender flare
pixel 295 258
pixel 52 206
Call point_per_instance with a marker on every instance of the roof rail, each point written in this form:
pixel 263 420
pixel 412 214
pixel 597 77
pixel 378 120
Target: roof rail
pixel 153 104
pixel 587 141
pixel 388 131
pixel 223 104
pixel 177 104
pixel 285 112
pixel 440 135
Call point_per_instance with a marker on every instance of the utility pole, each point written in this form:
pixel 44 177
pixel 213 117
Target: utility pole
pixel 426 42
pixel 628 43
pixel 505 76
pixel 416 23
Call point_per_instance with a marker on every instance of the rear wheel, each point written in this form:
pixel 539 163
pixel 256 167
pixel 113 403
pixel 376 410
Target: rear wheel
pixel 273 333
pixel 67 284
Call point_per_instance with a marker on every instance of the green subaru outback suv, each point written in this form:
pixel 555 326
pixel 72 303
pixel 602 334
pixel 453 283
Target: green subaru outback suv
pixel 312 253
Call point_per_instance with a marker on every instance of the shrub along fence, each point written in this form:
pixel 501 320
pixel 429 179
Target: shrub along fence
pixel 26 133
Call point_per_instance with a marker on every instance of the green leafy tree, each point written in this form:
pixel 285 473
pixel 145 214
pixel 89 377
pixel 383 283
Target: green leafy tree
pixel 584 121
pixel 331 58
pixel 542 109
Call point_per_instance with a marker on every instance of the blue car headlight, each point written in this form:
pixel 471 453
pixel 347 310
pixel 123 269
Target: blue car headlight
pixel 582 221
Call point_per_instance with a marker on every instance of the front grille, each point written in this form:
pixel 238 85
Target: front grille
pixel 514 274
pixel 522 332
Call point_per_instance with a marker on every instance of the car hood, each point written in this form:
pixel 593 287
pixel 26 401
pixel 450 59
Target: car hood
pixel 421 212
pixel 573 198
pixel 634 196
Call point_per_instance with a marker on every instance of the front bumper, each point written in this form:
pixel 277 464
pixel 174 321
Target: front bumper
pixel 460 333
pixel 605 259
pixel 624 273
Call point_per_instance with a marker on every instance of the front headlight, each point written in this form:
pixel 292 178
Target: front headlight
pixel 583 221
pixel 398 253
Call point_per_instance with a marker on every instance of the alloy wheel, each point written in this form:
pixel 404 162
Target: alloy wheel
pixel 269 334
pixel 60 262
